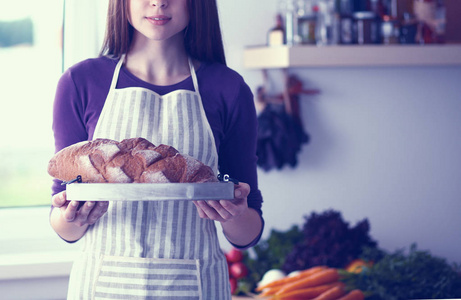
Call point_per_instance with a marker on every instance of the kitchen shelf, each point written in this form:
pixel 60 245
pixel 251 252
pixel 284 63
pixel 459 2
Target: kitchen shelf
pixel 351 55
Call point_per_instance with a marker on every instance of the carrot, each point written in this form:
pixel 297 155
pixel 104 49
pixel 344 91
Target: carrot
pixel 322 277
pixel 272 288
pixel 287 279
pixel 332 294
pixel 269 291
pixel 353 295
pixel 308 293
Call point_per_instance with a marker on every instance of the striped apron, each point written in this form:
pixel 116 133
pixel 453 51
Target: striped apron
pixel 153 249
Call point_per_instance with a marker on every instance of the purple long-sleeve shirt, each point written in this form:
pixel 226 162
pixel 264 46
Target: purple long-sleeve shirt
pixel 227 100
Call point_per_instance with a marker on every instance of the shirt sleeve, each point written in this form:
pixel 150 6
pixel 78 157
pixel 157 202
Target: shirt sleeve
pixel 237 153
pixel 68 125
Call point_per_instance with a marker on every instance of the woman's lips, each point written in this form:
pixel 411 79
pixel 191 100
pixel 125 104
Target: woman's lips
pixel 158 20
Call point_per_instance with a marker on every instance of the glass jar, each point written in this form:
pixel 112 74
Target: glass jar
pixel 327 29
pixel 366 28
pixel 346 24
pixel 408 29
pixel 307 21
pixel 288 9
pixel 389 30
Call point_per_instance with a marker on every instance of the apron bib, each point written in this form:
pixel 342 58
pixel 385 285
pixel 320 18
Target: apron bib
pixel 157 249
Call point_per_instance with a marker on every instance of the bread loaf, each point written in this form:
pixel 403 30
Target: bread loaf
pixel 131 160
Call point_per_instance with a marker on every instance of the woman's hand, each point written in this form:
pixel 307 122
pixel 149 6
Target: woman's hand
pixel 80 215
pixel 241 224
pixel 225 210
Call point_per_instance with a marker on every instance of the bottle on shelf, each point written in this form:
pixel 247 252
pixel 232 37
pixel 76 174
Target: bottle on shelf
pixel 389 21
pixel 327 29
pixel 306 11
pixel 408 29
pixel 346 26
pixel 288 10
pixel 276 35
pixel 366 28
pixel 425 12
pixel 389 30
pixel 365 22
pixel 440 21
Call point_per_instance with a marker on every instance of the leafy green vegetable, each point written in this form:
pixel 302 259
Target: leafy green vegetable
pixel 416 275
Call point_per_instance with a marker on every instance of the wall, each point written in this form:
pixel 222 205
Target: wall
pixel 385 144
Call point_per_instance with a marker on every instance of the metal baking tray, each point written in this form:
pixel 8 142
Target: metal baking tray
pixel 150 191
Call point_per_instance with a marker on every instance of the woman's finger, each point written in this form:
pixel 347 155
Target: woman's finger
pixel 241 190
pixel 59 199
pixel 100 208
pixel 199 209
pixel 83 212
pixel 230 206
pixel 71 211
pixel 207 212
pixel 222 211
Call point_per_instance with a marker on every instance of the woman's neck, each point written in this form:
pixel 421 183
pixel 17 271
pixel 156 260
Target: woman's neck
pixel 158 62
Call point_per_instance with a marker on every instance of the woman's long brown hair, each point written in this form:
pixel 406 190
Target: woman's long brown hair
pixel 202 40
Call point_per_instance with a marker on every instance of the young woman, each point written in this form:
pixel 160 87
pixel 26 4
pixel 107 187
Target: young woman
pixel 162 76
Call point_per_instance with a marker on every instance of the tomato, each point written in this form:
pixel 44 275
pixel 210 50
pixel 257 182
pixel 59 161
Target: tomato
pixel 238 270
pixel 234 255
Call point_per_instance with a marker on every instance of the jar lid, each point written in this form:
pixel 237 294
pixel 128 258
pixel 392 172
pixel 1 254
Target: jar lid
pixel 364 15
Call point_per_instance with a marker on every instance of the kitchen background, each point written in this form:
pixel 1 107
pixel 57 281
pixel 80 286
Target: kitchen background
pixel 384 145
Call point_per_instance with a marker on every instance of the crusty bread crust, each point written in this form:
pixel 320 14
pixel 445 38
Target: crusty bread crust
pixel 131 160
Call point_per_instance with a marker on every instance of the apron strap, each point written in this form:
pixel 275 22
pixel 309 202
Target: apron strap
pixel 116 73
pixel 194 76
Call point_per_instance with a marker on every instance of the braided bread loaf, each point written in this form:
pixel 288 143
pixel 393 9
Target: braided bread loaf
pixel 131 160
